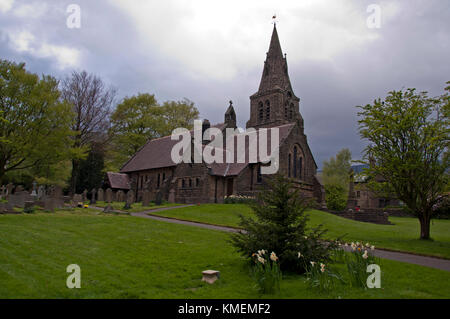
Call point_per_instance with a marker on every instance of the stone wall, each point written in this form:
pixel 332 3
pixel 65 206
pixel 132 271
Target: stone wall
pixel 375 217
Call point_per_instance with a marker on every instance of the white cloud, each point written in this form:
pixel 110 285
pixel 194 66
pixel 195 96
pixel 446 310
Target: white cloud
pixel 25 42
pixel 6 5
pixel 217 39
pixel 31 10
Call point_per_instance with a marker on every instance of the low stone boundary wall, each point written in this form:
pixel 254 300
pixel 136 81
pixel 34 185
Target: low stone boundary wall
pixel 375 217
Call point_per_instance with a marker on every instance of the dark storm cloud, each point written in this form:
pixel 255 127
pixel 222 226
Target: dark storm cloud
pixel 411 50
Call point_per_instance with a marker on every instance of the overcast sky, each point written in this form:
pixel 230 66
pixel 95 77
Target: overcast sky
pixel 213 51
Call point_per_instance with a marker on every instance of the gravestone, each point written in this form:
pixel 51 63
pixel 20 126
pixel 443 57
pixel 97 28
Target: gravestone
pixel 9 190
pixel 77 200
pixel 7 208
pixel 18 199
pixel 210 276
pixel 3 192
pixel 172 196
pixel 120 196
pixel 19 189
pixel 100 197
pixel 41 192
pixel 158 200
pixel 85 192
pixel 130 199
pixel 93 201
pixel 146 198
pixel 34 191
pixel 109 195
pixel 50 204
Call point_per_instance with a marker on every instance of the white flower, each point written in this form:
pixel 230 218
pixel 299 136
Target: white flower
pixel 273 257
pixel 372 247
pixel 353 246
pixel 357 243
pixel 261 260
pixel 365 255
pixel 322 267
pixel 367 245
pixel 346 245
pixel 299 255
pixel 312 263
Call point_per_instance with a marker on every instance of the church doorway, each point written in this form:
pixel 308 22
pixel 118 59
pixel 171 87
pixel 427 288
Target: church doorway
pixel 230 186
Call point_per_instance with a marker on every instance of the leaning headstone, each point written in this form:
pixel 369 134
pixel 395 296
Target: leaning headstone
pixel 158 200
pixel 100 197
pixel 146 198
pixel 93 201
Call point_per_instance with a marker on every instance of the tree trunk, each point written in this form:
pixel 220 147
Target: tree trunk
pixel 424 226
pixel 74 176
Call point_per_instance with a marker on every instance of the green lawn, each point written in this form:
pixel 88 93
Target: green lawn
pixel 132 257
pixel 135 207
pixel 402 236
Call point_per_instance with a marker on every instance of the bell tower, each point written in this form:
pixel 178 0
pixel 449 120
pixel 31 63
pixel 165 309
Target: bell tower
pixel 275 102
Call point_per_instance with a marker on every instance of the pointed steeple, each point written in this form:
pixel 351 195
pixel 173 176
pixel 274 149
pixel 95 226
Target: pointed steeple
pixel 275 67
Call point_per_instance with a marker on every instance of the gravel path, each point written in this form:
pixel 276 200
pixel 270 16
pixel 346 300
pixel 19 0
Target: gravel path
pixel 433 262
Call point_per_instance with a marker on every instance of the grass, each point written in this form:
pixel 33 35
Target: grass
pixel 131 257
pixel 402 236
pixel 135 207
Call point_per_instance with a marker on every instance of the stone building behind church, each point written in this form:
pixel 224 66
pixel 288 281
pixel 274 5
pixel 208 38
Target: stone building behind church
pixel 273 105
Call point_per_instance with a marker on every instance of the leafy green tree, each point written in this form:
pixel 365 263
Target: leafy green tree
pixel 408 136
pixel 336 179
pixel 281 227
pixel 140 118
pixel 35 125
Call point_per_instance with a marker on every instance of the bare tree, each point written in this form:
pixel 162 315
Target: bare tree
pixel 91 101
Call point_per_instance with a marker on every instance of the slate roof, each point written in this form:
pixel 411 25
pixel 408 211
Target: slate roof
pixel 156 154
pixel 118 180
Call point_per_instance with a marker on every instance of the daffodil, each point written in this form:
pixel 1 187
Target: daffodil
pixel 312 263
pixel 273 257
pixel 372 247
pixel 299 255
pixel 365 255
pixel 261 260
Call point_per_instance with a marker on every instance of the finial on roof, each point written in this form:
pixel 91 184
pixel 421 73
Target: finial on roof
pixel 274 21
pixel 231 103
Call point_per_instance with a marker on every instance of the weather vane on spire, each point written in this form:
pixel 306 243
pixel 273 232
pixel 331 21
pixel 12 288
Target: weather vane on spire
pixel 274 19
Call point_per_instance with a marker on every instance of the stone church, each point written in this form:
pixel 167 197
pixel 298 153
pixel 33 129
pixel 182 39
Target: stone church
pixel 273 105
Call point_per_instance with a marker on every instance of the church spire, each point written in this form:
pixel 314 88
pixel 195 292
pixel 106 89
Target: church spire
pixel 275 73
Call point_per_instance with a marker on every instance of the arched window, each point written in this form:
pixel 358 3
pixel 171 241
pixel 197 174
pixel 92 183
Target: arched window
pixel 267 110
pixel 183 183
pixel 159 180
pixel 190 182
pixel 289 165
pixel 291 111
pixel 261 111
pixel 300 166
pixel 295 161
pixel 197 182
pixel 286 110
